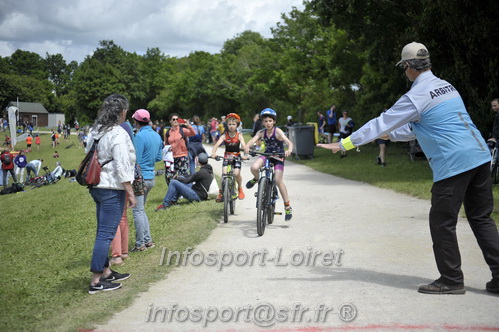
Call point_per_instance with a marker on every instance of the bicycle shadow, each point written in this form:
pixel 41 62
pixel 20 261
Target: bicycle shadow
pixel 248 227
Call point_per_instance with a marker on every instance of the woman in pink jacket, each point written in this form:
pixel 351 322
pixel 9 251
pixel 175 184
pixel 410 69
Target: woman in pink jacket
pixel 177 138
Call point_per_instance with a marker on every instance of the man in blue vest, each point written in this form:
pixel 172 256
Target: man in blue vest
pixel 433 112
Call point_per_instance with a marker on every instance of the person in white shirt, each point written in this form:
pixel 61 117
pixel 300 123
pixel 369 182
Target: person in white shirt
pixel 33 166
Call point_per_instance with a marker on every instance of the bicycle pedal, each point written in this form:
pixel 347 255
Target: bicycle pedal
pixel 278 213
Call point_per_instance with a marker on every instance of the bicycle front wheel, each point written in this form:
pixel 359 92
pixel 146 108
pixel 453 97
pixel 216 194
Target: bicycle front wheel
pixel 271 208
pixel 262 204
pixel 227 198
pixel 233 197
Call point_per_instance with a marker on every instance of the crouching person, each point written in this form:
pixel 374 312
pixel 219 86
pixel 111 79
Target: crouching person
pixel 194 187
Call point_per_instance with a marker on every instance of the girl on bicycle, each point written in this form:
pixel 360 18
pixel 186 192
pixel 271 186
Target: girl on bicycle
pixel 233 142
pixel 274 139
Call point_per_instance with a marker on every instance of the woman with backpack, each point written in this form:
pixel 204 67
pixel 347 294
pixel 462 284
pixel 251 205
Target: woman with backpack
pixel 7 159
pixel 114 192
pixel 177 138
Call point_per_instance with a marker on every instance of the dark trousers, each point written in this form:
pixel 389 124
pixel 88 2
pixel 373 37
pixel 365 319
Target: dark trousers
pixel 5 174
pixel 474 189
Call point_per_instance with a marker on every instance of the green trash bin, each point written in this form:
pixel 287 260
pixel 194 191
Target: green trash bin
pixel 303 141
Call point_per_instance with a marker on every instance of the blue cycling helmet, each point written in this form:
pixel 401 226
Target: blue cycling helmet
pixel 269 111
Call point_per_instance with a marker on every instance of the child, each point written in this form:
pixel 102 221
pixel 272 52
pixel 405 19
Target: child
pixel 233 143
pixel 29 141
pixel 274 139
pixel 56 154
pixel 37 142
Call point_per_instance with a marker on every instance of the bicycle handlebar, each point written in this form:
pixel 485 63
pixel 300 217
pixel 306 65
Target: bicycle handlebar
pixel 267 154
pixel 218 158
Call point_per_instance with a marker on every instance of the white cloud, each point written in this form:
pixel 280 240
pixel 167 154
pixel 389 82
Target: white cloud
pixel 176 27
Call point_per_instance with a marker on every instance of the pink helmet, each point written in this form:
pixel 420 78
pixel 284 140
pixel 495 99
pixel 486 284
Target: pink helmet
pixel 142 115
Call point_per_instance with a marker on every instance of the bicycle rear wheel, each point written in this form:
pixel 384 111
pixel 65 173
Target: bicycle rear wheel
pixel 495 173
pixel 262 203
pixel 227 198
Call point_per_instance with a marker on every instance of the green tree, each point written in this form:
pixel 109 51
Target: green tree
pixel 28 64
pixel 109 70
pixel 27 89
pixel 460 36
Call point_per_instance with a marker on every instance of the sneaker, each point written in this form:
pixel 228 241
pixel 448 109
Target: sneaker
pixel 289 214
pixel 124 256
pixel 251 183
pixel 492 286
pixel 219 198
pixel 383 164
pixel 141 248
pixel 378 160
pixel 161 207
pixel 343 156
pixel 103 286
pixel 241 194
pixel 438 287
pixel 115 276
pixel 150 245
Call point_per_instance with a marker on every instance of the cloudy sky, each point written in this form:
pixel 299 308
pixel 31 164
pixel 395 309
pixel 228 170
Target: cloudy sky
pixel 74 28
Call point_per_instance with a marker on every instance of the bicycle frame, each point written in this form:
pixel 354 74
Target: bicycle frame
pixel 267 193
pixel 228 186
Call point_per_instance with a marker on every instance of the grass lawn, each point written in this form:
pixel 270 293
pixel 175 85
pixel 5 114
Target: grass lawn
pixel 48 240
pixel 48 235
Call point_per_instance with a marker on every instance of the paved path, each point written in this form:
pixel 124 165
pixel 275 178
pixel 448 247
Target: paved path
pixel 376 251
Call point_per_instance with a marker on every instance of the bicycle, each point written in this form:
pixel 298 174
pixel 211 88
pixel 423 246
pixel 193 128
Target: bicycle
pixel 494 162
pixel 267 193
pixel 229 194
pixel 43 180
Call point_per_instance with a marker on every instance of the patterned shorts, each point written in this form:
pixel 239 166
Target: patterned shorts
pixel 181 168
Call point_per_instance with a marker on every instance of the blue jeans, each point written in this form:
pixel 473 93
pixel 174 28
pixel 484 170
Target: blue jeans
pixel 177 189
pixel 110 204
pixel 142 232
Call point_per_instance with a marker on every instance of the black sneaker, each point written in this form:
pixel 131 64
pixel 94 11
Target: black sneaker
pixel 492 286
pixel 251 183
pixel 438 287
pixel 115 276
pixel 378 160
pixel 103 286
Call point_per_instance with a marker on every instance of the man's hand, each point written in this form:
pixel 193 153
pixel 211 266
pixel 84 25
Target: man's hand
pixel 335 147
